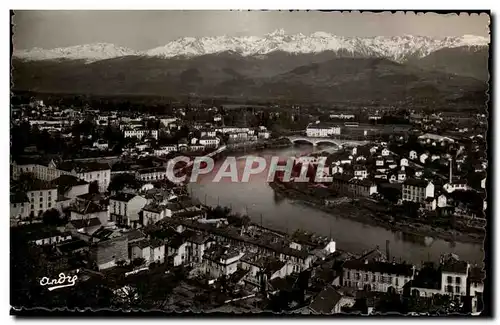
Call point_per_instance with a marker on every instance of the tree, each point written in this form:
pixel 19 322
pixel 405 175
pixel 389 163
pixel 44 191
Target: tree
pixel 138 262
pixel 94 187
pixel 53 217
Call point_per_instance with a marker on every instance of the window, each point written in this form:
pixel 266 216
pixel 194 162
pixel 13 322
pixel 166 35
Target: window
pixel 374 278
pixel 41 193
pixel 457 289
pixel 348 275
pixel 457 280
pixel 366 277
pixel 32 207
pixel 32 194
pixel 14 205
pixel 41 199
pixel 449 289
pixel 49 205
pixel 397 282
pixel 41 205
pixel 449 279
pixel 357 276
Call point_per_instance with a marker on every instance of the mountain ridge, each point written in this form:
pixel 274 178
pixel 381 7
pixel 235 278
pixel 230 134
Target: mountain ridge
pixel 397 48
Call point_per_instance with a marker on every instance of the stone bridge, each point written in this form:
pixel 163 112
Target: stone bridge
pixel 326 140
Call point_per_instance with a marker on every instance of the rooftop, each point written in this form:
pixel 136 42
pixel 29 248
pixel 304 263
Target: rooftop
pixel 380 267
pixel 123 197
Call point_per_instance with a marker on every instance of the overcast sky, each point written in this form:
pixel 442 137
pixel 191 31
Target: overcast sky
pixel 141 30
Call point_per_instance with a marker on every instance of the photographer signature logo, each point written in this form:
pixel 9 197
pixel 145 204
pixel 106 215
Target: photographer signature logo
pixel 62 282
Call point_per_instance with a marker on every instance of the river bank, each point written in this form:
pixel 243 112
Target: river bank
pixel 349 210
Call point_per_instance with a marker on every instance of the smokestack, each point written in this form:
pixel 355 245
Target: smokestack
pixel 387 253
pixel 451 172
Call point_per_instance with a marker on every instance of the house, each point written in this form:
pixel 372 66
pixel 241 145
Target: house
pixel 221 261
pixel 263 134
pixel 165 150
pixel 81 210
pixel 157 251
pixel 41 235
pixel 209 133
pixel 337 169
pixel 71 186
pixel 379 162
pixel 101 144
pixel 427 282
pixel 125 207
pixel 401 176
pixel 83 228
pixel 89 172
pixel 416 190
pixel 19 206
pixel 196 246
pixel 430 204
pixel 376 275
pixel 455 186
pixel 105 254
pixel 322 130
pixel 176 250
pixel 209 142
pixel 404 162
pixel 423 158
pixel 141 249
pixel 413 155
pixel 140 133
pixel 42 196
pixel 152 213
pixel 152 174
pixel 454 275
pixel 385 152
pixel 443 200
pixel 360 172
pixel 476 288
pixel 330 301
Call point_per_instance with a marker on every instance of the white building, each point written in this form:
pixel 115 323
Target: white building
pixel 140 133
pixel 376 275
pixel 152 213
pixel 42 196
pixel 322 130
pixel 152 174
pixel 165 150
pixel 454 275
pixel 89 172
pixel 417 190
pixel 209 141
pixel 125 207
pixel 221 261
pixel 71 186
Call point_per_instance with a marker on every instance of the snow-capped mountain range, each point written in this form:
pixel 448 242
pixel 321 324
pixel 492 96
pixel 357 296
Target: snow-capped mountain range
pixel 398 48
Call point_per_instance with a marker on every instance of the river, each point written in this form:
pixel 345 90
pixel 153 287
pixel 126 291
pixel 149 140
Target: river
pixel 257 199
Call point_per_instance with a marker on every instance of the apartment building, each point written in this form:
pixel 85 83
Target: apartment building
pixel 42 196
pixel 322 130
pixel 416 190
pixel 377 275
pixel 124 208
pixel 140 133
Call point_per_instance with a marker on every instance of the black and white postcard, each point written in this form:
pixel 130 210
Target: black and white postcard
pixel 250 162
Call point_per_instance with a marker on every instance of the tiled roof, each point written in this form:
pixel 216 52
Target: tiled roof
pixel 83 223
pixel 380 267
pixel 325 301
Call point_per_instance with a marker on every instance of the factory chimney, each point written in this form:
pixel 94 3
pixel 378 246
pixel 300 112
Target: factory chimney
pixel 387 253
